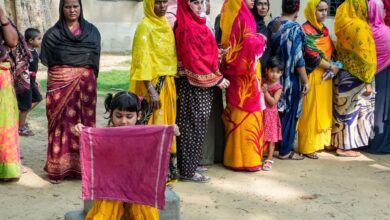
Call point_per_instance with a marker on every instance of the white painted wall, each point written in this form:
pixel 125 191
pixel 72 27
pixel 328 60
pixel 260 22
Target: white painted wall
pixel 117 20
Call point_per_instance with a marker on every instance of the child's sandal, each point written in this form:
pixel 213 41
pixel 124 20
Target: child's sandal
pixel 268 165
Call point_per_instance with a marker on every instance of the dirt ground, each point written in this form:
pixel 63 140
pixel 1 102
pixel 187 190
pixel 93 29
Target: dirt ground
pixel 329 188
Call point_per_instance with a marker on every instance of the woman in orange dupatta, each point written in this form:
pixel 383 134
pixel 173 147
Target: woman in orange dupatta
pixel 242 116
pixel 71 50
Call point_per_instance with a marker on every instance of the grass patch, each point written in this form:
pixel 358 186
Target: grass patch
pixel 112 81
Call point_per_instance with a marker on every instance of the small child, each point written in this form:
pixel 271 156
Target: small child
pixel 30 99
pixel 272 90
pixel 124 109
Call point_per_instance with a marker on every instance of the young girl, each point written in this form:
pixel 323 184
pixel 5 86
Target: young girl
pixel 125 109
pixel 272 90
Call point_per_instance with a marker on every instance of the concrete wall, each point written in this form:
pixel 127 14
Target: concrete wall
pixel 117 20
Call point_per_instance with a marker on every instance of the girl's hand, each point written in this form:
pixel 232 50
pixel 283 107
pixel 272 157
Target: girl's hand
pixel 368 91
pixel 176 130
pixel 306 88
pixel 224 84
pixel 155 102
pixel 264 88
pixel 76 130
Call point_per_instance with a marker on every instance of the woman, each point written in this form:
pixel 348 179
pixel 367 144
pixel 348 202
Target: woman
pixel 152 73
pixel 242 116
pixel 71 50
pixel 353 102
pixel 10 166
pixel 381 141
pixel 288 40
pixel 260 11
pixel 199 72
pixel 315 124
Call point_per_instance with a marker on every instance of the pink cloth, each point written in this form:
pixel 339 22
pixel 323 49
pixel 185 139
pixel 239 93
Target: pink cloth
pixel 271 120
pixel 387 18
pixel 171 12
pixel 126 164
pixel 381 33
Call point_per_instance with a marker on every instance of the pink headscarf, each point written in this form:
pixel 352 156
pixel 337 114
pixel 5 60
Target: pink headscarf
pixel 387 18
pixel 381 33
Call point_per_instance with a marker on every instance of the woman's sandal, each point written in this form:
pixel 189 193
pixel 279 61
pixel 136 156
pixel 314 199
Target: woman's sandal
pixel 313 156
pixel 201 169
pixel 268 165
pixel 55 181
pixel 197 178
pixel 292 156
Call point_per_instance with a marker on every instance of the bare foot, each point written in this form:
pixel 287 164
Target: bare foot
pixel 347 153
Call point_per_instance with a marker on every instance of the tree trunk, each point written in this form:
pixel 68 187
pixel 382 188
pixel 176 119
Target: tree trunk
pixel 31 13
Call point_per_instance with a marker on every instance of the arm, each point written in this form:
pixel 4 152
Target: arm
pixel 9 32
pixel 328 66
pixel 272 100
pixel 155 101
pixel 304 79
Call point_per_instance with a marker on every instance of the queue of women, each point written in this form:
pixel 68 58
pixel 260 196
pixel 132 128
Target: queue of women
pixel 283 81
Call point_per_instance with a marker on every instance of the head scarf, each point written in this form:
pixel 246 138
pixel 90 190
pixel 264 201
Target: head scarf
pixel 154 51
pixel 260 24
pixel 310 13
pixel 61 47
pixel 196 48
pixel 387 18
pixel 355 44
pixel 171 12
pixel 381 33
pixel 319 45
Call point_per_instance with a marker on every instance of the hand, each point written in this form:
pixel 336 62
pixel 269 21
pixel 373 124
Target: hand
pixel 335 69
pixel 264 88
pixel 368 91
pixel 224 84
pixel 222 53
pixel 76 130
pixel 306 88
pixel 176 130
pixel 155 102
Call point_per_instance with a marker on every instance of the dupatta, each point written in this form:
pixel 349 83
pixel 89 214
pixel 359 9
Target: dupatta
pixel 196 48
pixel 381 33
pixel 154 51
pixel 355 44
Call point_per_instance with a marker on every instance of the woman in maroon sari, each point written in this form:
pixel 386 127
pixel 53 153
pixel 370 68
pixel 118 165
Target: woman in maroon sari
pixel 71 50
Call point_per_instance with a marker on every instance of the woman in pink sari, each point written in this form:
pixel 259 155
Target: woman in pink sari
pixel 242 116
pixel 71 50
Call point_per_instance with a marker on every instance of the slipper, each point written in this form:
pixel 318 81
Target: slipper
pixel 348 153
pixel 268 165
pixel 201 169
pixel 55 181
pixel 313 156
pixel 291 156
pixel 197 178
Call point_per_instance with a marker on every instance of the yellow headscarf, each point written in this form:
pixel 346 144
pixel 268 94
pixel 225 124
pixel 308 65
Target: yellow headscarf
pixel 230 10
pixel 310 13
pixel 154 50
pixel 355 43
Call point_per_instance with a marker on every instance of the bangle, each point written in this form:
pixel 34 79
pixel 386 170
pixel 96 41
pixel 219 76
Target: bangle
pixel 6 23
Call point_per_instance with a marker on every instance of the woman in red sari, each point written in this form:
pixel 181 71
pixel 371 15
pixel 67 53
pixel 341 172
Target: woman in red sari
pixel 71 50
pixel 242 116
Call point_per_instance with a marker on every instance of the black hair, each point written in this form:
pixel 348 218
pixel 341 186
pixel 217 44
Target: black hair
pixel 31 34
pixel 290 6
pixel 127 101
pixel 274 62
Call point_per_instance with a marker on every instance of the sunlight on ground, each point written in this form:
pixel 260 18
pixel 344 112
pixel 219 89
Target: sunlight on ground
pixel 31 179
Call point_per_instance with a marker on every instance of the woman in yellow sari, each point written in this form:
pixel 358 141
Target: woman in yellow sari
pixel 315 124
pixel 353 100
pixel 154 67
pixel 242 116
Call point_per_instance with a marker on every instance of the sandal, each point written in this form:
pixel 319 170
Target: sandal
pixel 292 156
pixel 313 156
pixel 347 153
pixel 197 178
pixel 24 131
pixel 268 165
pixel 201 169
pixel 55 181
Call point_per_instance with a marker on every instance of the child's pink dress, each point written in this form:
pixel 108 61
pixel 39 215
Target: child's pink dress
pixel 271 120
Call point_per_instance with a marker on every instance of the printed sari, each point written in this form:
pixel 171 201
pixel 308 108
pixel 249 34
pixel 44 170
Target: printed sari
pixel 242 116
pixel 353 116
pixel 155 60
pixel 380 144
pixel 10 166
pixel 315 123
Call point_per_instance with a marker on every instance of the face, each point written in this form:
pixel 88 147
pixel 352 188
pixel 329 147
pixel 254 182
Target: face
pixel 274 74
pixel 124 118
pixel 321 11
pixel 196 6
pixel 160 7
pixel 262 7
pixel 36 42
pixel 250 3
pixel 208 7
pixel 71 10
